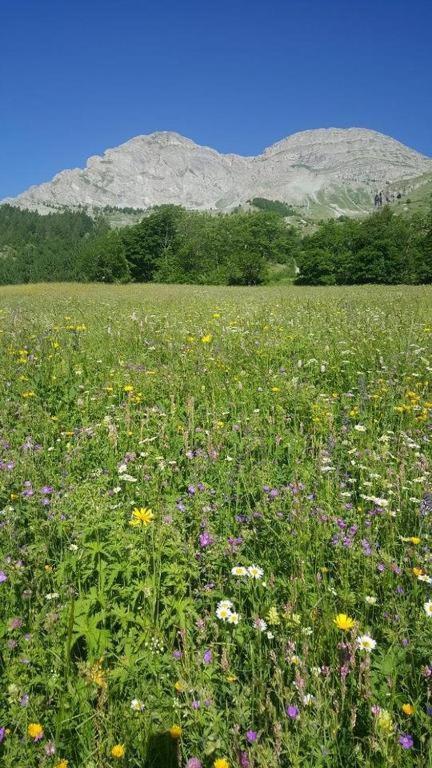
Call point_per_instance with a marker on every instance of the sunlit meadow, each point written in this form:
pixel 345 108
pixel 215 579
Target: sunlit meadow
pixel 215 544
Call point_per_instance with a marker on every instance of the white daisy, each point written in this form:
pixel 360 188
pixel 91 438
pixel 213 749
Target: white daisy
pixel 366 643
pixel 239 570
pixel 223 612
pixel 428 608
pixel 255 572
pixel 234 618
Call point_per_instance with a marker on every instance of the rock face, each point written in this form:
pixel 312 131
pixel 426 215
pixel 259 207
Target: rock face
pixel 333 164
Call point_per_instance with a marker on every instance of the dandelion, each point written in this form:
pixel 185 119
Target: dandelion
pixel 255 572
pixel 62 764
pixel 344 622
pixel 118 751
pixel 221 762
pixel 207 338
pixel 428 608
pixel 366 643
pixel 141 516
pixel 175 731
pixel 408 709
pixel 35 731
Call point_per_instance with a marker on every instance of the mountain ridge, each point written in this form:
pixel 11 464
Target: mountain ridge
pixel 302 169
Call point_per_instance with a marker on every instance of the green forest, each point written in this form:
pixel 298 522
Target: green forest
pixel 172 245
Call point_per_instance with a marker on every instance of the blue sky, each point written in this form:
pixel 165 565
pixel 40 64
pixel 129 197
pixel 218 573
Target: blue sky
pixel 79 76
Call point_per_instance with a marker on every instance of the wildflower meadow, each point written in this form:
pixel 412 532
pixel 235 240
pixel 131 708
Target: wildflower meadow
pixel 215 527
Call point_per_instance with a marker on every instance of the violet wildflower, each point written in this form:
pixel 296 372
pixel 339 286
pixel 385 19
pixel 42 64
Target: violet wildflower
pixel 3 577
pixel 406 740
pixel 251 736
pixel 292 711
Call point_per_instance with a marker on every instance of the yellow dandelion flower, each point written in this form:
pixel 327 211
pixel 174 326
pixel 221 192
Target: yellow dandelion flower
pixel 179 686
pixel 141 516
pixel 62 764
pixel 35 731
pixel 344 622
pixel 408 709
pixel 118 751
pixel 221 762
pixel 175 731
pixel 207 338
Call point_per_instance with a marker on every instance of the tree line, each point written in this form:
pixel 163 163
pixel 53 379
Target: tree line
pixel 173 245
pixel 383 248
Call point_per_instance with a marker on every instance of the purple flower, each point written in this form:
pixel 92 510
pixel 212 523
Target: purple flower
pixel 194 762
pixel 15 623
pixel 292 711
pixel 2 734
pixel 191 490
pixel 208 657
pixel 24 700
pixel 244 761
pixel 251 736
pixel 177 655
pixel 47 489
pixel 196 704
pixel 205 540
pixel 3 577
pixel 406 740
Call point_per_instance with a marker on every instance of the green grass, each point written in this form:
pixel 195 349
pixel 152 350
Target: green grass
pixel 281 427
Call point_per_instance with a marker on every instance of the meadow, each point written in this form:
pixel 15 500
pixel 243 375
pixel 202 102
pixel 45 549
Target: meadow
pixel 215 527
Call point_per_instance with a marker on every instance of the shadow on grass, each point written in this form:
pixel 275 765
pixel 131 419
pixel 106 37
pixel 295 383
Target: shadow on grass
pixel 162 752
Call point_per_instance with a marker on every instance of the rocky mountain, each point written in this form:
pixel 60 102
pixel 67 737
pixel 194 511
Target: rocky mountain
pixel 332 171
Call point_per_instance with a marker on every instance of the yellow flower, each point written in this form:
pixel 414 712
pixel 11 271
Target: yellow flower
pixel 128 388
pixel 344 622
pixel 62 764
pixel 417 571
pixel 207 338
pixel 175 731
pixel 96 674
pixel 408 709
pixel 411 539
pixel 179 686
pixel 384 722
pixel 231 679
pixel 141 516
pixel 118 751
pixel 221 762
pixel 273 616
pixel 35 731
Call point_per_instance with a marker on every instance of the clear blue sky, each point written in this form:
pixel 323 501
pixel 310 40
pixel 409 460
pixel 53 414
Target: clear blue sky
pixel 78 76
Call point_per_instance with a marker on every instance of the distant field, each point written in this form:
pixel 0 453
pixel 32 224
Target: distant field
pixel 215 527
